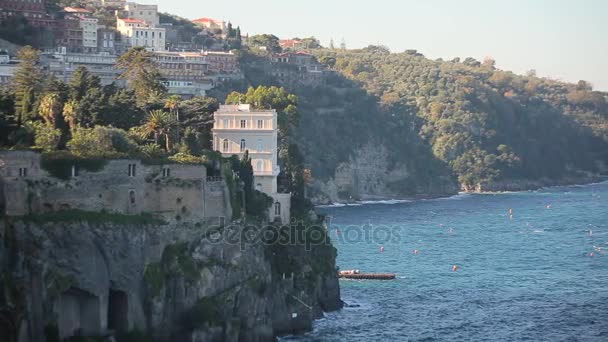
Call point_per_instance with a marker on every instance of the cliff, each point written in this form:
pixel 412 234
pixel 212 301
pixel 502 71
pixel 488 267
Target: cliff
pixel 175 282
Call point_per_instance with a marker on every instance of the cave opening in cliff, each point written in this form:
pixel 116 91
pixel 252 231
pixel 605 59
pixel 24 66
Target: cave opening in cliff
pixel 118 306
pixel 78 313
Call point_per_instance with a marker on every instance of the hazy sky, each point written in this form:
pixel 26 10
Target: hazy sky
pixel 565 40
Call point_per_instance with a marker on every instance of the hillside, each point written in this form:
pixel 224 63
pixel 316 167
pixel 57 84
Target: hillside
pixel 398 124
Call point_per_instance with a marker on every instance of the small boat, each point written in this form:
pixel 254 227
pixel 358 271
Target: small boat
pixel 355 274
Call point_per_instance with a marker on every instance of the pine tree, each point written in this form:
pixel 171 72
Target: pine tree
pixel 27 83
pixel 142 73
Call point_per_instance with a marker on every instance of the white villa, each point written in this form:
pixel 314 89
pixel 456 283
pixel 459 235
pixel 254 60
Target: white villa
pixel 136 32
pixel 239 128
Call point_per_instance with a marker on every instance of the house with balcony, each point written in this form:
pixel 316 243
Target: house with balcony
pixel 240 128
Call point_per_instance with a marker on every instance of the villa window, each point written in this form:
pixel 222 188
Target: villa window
pixel 74 171
pixel 258 145
pixel 132 170
pixel 226 123
pixel 260 124
pixel 243 123
pixel 225 145
pixel 277 209
pixel 166 172
pixel 258 187
pixel 258 165
pixel 23 172
pixel 243 145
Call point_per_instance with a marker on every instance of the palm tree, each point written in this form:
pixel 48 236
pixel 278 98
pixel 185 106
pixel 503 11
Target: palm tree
pixel 70 113
pixel 49 108
pixel 158 123
pixel 172 103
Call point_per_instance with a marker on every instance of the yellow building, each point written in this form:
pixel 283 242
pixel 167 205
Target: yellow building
pixel 240 128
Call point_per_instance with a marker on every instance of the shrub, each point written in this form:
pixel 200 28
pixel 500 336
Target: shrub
pixel 103 142
pixel 46 136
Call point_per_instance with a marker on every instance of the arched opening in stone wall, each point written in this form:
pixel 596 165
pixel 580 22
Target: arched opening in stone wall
pixel 78 313
pixel 118 309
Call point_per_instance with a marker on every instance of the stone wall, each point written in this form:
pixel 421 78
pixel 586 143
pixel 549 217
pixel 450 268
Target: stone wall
pixel 175 191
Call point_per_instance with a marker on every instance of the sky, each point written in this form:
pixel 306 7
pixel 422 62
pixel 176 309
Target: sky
pixel 563 40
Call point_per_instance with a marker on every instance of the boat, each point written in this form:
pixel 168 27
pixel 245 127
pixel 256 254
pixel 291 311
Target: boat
pixel 356 274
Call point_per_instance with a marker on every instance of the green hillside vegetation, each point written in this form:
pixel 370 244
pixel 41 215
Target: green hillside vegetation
pixel 487 124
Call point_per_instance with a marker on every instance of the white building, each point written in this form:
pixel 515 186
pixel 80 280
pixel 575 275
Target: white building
pixel 62 64
pixel 239 128
pixel 136 33
pixel 89 28
pixel 147 13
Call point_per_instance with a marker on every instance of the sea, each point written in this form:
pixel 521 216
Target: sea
pixel 511 266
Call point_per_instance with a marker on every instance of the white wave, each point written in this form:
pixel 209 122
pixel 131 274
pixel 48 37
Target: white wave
pixel 339 205
pixel 459 196
pixel 391 201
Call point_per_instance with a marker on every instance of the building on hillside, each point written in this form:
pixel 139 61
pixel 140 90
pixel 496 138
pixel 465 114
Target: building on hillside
pixel 77 10
pixel 8 68
pixel 147 13
pixel 239 128
pixel 184 73
pixel 70 34
pixel 78 30
pixel 136 33
pixel 210 24
pixel 176 192
pixel 89 33
pixel 35 11
pixel 113 3
pixel 290 43
pixel 62 64
pixel 106 40
pixel 297 67
pixel 222 62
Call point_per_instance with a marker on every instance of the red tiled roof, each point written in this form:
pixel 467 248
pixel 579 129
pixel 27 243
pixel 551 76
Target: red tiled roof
pixel 76 10
pixel 131 20
pixel 205 20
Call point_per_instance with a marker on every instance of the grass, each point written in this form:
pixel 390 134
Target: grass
pixel 75 215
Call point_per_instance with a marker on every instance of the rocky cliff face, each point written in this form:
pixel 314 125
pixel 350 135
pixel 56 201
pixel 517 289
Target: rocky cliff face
pixel 371 175
pixel 167 282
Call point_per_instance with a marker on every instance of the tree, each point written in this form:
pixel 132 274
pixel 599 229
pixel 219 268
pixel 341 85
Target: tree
pixel 70 114
pixel 328 61
pixel 172 103
pixel 268 41
pixel 120 109
pixel 311 43
pixel 81 82
pixel 27 83
pixel 50 108
pixel 489 63
pixel 158 124
pixel 46 136
pixel 142 73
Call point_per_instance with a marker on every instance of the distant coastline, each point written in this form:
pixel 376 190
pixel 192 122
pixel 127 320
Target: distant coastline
pixel 526 185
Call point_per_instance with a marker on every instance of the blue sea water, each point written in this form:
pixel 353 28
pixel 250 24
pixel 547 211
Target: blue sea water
pixel 541 275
